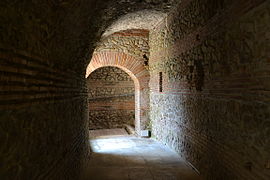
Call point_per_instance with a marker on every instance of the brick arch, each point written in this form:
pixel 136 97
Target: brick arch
pixel 137 71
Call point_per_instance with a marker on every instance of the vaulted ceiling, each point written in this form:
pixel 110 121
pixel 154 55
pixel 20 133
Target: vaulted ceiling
pixel 65 32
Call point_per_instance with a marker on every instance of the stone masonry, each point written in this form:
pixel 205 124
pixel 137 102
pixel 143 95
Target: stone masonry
pixel 200 70
pixel 110 98
pixel 129 51
pixel 214 108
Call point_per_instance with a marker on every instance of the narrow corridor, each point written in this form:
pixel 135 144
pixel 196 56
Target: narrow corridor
pixel 124 157
pixel 194 75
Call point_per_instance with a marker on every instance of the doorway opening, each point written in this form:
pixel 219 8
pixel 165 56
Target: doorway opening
pixel 111 102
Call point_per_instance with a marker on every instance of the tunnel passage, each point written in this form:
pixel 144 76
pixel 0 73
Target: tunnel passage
pixel 111 99
pixel 210 104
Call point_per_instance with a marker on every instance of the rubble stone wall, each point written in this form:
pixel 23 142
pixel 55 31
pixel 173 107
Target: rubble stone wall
pixel 110 98
pixel 213 107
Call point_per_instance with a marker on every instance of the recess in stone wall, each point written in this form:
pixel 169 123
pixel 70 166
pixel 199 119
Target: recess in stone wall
pixel 111 98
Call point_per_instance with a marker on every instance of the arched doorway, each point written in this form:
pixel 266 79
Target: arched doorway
pixel 139 74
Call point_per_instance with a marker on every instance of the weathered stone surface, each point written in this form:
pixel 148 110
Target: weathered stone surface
pixel 132 42
pixel 38 108
pixel 144 19
pixel 214 108
pixel 28 135
pixel 109 119
pixel 111 98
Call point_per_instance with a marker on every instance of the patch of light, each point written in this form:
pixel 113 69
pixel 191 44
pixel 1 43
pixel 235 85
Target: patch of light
pixel 109 145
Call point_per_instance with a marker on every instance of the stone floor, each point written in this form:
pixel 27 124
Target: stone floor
pixel 132 158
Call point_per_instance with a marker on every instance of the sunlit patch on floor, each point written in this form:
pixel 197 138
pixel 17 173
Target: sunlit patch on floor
pixel 133 158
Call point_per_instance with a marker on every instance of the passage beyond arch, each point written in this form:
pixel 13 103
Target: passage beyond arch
pixel 135 68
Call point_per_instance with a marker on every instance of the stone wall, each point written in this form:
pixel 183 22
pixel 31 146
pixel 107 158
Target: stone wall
pixel 45 47
pixel 213 108
pixel 133 42
pixel 34 129
pixel 43 95
pixel 111 98
pixel 128 50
